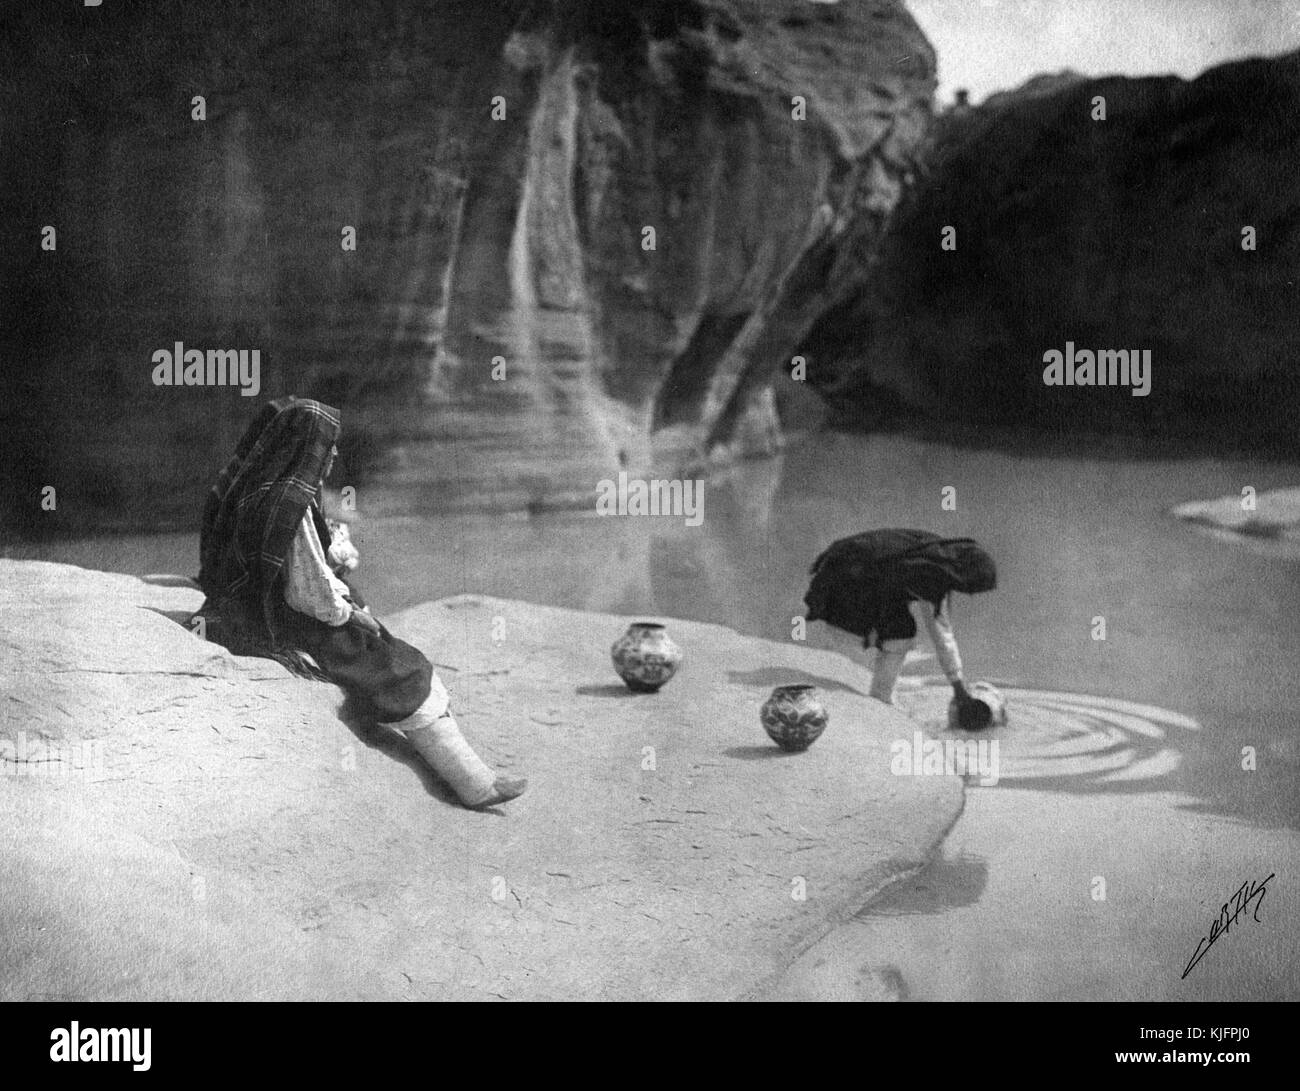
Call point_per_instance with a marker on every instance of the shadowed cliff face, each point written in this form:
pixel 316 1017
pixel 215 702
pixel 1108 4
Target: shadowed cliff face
pixel 1117 234
pixel 500 336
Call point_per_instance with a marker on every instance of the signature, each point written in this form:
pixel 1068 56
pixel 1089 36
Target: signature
pixel 1240 901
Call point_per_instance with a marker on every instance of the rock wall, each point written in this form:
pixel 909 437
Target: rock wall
pixel 1122 233
pixel 514 243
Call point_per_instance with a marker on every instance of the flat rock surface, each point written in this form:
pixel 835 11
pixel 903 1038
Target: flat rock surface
pixel 183 823
pixel 1267 523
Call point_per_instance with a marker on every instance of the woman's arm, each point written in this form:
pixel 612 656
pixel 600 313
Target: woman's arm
pixel 945 643
pixel 309 585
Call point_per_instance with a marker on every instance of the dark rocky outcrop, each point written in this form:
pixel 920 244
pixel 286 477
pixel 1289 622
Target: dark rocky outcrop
pixel 476 238
pixel 1122 233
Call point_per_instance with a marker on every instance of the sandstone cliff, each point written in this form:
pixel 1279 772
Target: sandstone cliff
pixel 519 238
pixel 1122 233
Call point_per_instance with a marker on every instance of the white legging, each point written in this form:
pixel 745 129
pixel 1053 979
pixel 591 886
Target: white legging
pixel 888 666
pixel 893 653
pixel 436 737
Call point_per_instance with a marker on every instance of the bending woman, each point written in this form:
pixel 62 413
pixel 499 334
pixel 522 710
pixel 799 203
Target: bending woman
pixel 265 567
pixel 881 583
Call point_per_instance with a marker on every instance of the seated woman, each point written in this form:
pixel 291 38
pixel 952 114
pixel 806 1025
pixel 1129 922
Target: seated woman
pixel 267 567
pixel 880 583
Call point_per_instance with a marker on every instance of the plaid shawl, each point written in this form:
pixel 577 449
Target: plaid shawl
pixel 251 516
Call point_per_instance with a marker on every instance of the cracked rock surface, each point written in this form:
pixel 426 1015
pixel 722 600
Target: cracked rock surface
pixel 181 823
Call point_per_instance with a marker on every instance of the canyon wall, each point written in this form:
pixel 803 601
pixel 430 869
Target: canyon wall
pixel 501 336
pixel 1122 233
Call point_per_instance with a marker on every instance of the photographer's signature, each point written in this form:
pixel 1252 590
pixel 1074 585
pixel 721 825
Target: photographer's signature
pixel 1233 908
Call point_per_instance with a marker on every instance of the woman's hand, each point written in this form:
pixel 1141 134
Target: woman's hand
pixel 362 618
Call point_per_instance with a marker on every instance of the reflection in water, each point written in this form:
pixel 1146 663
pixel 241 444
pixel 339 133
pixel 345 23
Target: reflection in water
pixel 941 884
pixel 1066 737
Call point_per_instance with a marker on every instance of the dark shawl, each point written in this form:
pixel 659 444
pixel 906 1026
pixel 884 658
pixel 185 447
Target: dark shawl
pixel 858 582
pixel 249 521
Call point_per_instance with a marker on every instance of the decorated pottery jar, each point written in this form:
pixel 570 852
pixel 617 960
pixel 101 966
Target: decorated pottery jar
pixel 644 656
pixel 793 717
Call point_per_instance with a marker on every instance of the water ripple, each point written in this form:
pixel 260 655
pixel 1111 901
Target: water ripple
pixel 1050 736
